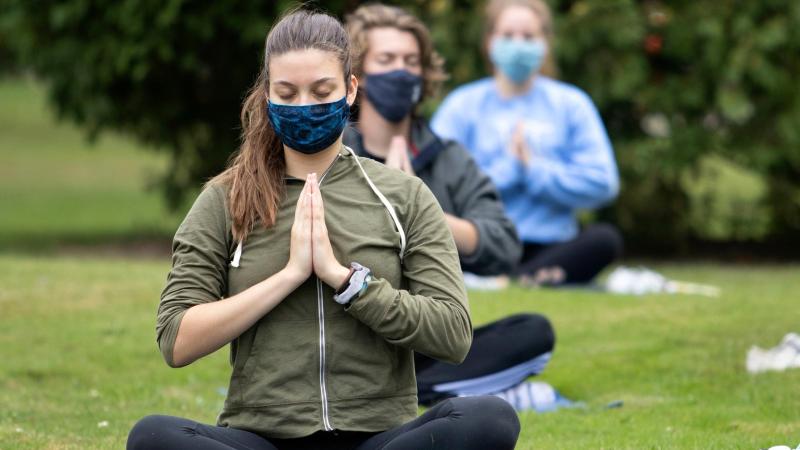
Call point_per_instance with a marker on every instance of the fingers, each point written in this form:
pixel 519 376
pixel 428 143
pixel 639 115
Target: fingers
pixel 299 208
pixel 407 163
pixel 397 158
pixel 518 138
pixel 393 160
pixel 318 206
pixel 307 205
pixel 398 143
pixel 518 147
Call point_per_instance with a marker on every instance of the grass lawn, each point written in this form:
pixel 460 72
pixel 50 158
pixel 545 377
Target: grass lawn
pixel 80 365
pixel 56 188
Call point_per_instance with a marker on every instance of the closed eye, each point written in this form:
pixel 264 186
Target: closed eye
pixel 322 95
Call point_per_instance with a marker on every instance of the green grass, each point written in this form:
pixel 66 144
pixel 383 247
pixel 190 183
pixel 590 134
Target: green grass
pixel 77 339
pixel 77 350
pixel 57 188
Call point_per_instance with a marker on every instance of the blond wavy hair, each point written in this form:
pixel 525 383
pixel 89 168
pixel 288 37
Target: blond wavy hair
pixel 376 15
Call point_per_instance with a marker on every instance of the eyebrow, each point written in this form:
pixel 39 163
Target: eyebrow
pixel 395 53
pixel 316 83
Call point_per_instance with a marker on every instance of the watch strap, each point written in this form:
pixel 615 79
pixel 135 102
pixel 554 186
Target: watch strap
pixel 355 284
pixel 346 282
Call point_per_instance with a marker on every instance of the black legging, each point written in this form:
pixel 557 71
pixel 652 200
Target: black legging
pixel 581 258
pixel 495 347
pixel 469 423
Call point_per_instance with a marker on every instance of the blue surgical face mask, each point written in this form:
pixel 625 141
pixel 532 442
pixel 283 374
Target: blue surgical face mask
pixel 393 94
pixel 517 59
pixel 309 128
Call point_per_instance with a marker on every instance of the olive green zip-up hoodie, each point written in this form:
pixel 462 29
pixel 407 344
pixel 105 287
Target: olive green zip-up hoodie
pixel 310 364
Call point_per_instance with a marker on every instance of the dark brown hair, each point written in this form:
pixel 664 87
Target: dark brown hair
pixel 496 7
pixel 376 15
pixel 256 172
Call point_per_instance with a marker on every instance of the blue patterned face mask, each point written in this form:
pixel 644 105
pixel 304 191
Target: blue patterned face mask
pixel 309 128
pixel 517 59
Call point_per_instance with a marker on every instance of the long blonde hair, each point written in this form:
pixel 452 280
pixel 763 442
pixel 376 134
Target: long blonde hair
pixel 256 172
pixel 496 7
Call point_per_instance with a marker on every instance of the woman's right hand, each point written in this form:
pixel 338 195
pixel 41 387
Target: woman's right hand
pixel 517 147
pixel 300 265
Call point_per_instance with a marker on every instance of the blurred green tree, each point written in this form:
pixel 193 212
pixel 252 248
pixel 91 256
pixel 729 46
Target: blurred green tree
pixel 681 80
pixel 681 85
pixel 170 73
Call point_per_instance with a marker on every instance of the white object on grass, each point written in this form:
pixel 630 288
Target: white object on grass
pixel 785 355
pixel 479 283
pixel 534 396
pixel 640 281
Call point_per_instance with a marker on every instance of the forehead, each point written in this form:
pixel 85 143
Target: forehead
pixel 518 17
pixel 391 40
pixel 301 67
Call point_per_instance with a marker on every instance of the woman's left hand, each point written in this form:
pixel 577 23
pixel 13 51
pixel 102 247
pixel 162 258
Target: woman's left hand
pixel 517 146
pixel 326 266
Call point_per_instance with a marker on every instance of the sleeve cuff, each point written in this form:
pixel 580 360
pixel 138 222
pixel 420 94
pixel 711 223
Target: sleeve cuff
pixel 479 249
pixel 372 305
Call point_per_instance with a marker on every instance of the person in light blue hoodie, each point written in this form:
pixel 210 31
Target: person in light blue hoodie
pixel 543 144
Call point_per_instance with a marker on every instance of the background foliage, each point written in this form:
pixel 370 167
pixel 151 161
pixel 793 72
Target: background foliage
pixel 699 97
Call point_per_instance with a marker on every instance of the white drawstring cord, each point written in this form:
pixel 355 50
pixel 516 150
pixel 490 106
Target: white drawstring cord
pixel 385 203
pixel 237 255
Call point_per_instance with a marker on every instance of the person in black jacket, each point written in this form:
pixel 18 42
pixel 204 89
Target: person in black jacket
pixel 486 239
pixel 394 59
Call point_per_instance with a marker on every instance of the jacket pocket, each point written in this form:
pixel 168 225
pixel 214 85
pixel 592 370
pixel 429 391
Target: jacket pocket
pixel 362 364
pixel 282 366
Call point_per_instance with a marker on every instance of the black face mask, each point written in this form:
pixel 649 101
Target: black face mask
pixel 394 94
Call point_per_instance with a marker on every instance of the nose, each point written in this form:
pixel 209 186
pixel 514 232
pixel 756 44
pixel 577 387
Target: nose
pixel 399 64
pixel 306 98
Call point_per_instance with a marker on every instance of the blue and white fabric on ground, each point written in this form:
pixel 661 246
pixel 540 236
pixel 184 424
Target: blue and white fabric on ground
pixel 510 385
pixel 504 353
pixel 496 382
pixel 485 283
pixel 534 396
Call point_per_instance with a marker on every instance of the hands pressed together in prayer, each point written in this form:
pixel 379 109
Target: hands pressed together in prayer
pixel 517 146
pixel 397 158
pixel 311 250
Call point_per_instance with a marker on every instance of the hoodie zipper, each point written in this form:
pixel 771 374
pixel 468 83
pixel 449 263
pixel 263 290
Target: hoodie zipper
pixel 326 421
pixel 323 389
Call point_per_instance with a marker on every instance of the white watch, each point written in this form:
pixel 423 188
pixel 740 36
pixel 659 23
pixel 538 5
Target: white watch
pixel 355 284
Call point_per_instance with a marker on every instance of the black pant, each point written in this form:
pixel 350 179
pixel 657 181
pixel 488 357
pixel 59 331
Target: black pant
pixel 581 258
pixel 495 347
pixel 458 423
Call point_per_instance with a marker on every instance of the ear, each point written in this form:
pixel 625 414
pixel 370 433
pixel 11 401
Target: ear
pixel 352 90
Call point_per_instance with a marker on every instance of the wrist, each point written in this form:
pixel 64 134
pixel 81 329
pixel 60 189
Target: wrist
pixel 292 276
pixel 336 276
pixel 355 284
